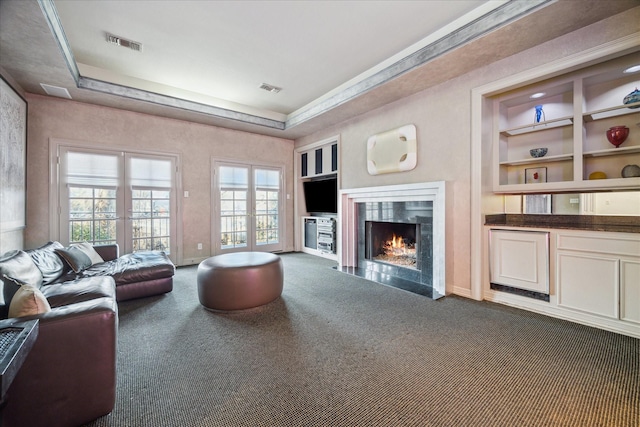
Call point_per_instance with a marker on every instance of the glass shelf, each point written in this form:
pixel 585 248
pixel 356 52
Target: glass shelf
pixel 619 110
pixel 549 124
pixel 612 151
pixel 549 159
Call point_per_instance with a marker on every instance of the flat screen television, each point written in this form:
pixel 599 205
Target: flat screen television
pixel 321 195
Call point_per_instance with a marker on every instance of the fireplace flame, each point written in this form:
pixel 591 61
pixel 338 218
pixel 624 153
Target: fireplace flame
pixel 397 247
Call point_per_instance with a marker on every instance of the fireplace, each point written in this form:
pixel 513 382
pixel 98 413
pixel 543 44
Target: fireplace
pixel 395 244
pixel 395 235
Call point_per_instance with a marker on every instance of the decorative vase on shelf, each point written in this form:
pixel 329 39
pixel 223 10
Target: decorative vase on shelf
pixel 539 114
pixel 617 135
pixel 597 175
pixel 630 171
pixel 633 97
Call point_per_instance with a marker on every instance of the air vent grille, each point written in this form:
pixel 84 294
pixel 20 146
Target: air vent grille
pixel 60 92
pixel 270 88
pixel 124 42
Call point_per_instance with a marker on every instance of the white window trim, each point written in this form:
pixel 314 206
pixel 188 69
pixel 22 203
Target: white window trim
pixel 213 189
pixel 55 144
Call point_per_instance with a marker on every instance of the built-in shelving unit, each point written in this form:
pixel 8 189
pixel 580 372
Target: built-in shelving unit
pixel 577 110
pixel 318 163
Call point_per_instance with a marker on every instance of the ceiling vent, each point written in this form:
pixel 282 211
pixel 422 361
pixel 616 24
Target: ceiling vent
pixel 60 92
pixel 270 88
pixel 124 42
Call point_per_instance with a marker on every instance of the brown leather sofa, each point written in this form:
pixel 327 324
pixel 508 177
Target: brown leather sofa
pixel 69 376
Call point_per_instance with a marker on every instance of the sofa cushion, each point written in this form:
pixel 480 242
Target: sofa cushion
pixel 88 250
pixel 75 258
pixel 79 290
pixel 48 262
pixel 28 301
pixel 136 267
pixel 19 264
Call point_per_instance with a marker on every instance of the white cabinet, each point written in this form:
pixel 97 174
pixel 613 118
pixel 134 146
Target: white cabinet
pixel 630 290
pixel 576 111
pixel 520 259
pixel 319 161
pixel 588 283
pixel 593 276
pixel 599 273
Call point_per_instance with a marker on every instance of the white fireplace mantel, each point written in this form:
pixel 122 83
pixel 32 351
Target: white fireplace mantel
pixel 425 191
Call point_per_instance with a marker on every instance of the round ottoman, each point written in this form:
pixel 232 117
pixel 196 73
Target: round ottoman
pixel 239 280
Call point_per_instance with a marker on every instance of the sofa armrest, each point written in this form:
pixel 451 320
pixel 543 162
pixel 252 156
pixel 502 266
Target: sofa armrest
pixel 108 252
pixel 69 377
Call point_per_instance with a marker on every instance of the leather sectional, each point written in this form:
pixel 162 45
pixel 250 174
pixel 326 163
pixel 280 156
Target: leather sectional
pixel 69 376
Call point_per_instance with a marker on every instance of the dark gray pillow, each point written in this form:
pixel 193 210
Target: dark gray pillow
pixel 11 286
pixel 75 258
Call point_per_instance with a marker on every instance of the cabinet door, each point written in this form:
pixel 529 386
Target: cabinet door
pixel 334 158
pixel 319 161
pixel 588 283
pixel 304 164
pixel 630 291
pixel 520 259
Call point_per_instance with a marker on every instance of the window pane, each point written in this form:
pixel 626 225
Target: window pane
pixel 151 226
pixel 92 213
pixel 161 207
pixel 161 194
pixel 240 207
pixel 261 206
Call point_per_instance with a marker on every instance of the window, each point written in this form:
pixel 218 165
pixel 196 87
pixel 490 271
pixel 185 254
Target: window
pixel 92 184
pixel 249 217
pixel 113 197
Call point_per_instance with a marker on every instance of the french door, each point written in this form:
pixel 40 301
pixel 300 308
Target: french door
pixel 115 197
pixel 247 208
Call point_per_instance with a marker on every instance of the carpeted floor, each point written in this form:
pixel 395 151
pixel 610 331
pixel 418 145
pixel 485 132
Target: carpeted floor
pixel 338 350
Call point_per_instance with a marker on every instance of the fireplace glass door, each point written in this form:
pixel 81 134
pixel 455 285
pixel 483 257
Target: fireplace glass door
pixel 392 243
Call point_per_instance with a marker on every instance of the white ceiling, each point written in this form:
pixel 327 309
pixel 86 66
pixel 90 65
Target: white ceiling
pixel 203 61
pixel 224 50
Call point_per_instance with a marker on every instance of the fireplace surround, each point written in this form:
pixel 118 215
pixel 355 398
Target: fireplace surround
pixel 371 216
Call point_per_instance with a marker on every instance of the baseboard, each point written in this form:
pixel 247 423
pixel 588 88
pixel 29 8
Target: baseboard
pixel 191 261
pixel 462 292
pixel 553 310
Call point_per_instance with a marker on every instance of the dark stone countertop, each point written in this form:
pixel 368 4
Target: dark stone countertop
pixel 621 224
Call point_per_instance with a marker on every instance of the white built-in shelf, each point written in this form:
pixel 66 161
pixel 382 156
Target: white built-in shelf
pixel 618 110
pixel 612 151
pixel 564 186
pixel 545 159
pixel 582 104
pixel 546 125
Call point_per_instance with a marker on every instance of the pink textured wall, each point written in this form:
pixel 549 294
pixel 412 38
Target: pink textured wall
pixel 442 115
pixel 111 128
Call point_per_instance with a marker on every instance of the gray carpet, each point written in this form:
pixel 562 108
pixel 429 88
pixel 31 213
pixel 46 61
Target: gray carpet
pixel 338 350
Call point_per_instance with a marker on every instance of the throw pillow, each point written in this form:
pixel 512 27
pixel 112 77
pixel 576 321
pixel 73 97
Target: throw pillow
pixel 10 287
pixel 89 251
pixel 28 301
pixel 75 258
pixel 20 264
pixel 50 264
